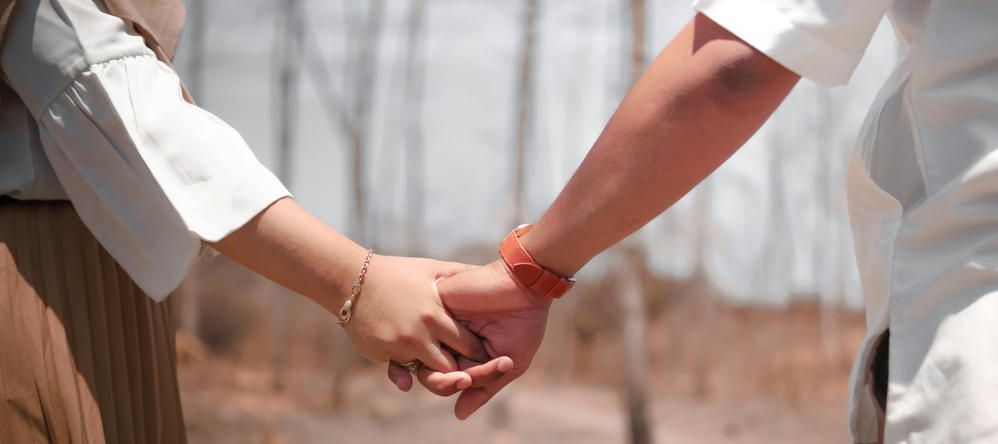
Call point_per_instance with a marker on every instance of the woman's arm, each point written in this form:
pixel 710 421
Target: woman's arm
pixel 153 177
pixel 289 246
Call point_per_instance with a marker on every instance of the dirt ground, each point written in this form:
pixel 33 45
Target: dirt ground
pixel 720 374
pixel 528 412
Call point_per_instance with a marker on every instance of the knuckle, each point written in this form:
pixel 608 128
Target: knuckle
pixel 428 317
pixel 407 338
pixel 385 336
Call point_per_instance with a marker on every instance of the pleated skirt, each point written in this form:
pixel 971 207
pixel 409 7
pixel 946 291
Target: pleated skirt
pixel 85 355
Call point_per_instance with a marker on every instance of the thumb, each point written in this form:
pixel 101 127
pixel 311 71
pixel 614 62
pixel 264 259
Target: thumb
pixel 399 376
pixel 443 270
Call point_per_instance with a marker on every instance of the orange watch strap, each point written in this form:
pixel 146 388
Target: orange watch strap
pixel 527 271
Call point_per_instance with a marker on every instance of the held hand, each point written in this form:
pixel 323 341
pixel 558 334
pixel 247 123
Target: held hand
pixel 509 319
pixel 399 316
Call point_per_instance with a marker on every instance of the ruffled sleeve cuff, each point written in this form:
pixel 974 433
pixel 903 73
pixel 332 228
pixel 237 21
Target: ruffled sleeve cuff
pixel 152 176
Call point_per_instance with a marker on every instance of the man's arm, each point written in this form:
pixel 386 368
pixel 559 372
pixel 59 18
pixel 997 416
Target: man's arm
pixel 701 99
pixel 698 102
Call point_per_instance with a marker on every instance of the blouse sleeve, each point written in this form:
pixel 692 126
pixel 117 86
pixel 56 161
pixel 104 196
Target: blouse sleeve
pixel 151 175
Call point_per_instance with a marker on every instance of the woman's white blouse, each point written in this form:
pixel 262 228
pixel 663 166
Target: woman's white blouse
pixel 151 175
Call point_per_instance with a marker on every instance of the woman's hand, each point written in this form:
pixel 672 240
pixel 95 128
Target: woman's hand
pixel 399 316
pixel 510 320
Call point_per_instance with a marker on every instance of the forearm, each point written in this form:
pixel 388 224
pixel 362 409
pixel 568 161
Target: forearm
pixel 698 102
pixel 291 247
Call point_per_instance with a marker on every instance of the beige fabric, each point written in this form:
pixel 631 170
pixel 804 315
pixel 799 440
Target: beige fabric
pixel 85 356
pixel 160 23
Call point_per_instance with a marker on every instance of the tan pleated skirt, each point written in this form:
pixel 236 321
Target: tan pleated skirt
pixel 85 355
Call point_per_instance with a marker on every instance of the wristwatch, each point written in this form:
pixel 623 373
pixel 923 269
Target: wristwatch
pixel 527 271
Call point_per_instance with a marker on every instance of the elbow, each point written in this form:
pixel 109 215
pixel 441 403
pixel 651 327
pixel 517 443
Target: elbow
pixel 735 69
pixel 744 72
pixel 737 76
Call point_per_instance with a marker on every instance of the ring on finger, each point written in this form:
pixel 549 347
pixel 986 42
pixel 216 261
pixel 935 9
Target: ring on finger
pixel 411 366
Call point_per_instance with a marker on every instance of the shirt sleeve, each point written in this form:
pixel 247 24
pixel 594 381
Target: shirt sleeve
pixel 822 40
pixel 151 175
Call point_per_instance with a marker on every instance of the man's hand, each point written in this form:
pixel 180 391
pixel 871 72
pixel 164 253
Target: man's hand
pixel 700 100
pixel 509 319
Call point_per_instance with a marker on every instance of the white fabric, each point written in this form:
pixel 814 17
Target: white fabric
pixel 151 175
pixel 923 198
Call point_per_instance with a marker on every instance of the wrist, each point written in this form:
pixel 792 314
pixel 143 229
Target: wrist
pixel 533 300
pixel 540 245
pixel 338 279
pixel 527 271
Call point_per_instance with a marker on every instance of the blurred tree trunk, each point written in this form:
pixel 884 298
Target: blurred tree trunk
pixel 361 84
pixel 287 51
pixel 777 247
pixel 702 287
pixel 701 223
pixel 499 415
pixel 629 278
pixel 190 289
pixel 827 226
pixel 524 107
pixel 363 77
pixel 415 70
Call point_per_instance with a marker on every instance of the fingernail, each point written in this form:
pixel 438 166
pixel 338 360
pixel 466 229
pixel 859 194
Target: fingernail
pixel 505 365
pixel 463 383
pixel 469 414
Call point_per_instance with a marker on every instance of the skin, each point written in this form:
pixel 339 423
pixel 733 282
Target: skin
pixel 398 315
pixel 697 103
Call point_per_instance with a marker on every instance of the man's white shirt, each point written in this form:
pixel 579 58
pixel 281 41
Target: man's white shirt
pixel 923 199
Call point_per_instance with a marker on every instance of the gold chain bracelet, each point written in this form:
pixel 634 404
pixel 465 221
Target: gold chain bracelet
pixel 346 312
